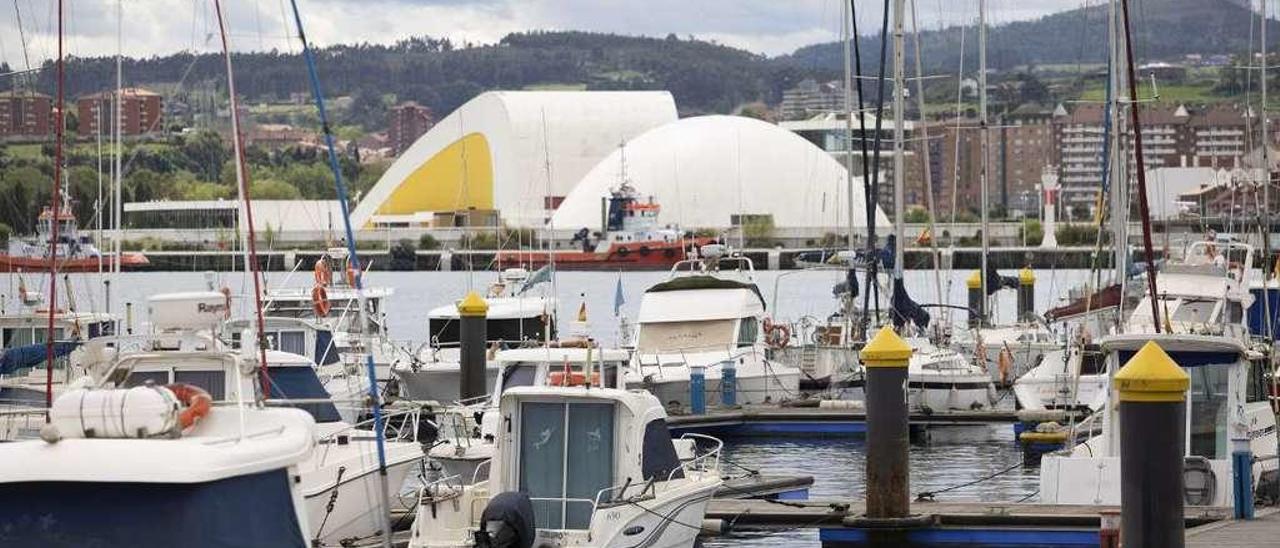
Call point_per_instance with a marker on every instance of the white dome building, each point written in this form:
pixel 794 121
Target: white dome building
pixel 491 155
pixel 705 171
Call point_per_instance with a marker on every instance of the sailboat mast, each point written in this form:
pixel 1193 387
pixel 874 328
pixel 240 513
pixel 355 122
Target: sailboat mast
pixel 986 155
pixel 1116 160
pixel 55 202
pixel 1266 186
pixel 899 104
pixel 375 400
pixel 1143 209
pixel 846 19
pixel 117 167
pixel 242 180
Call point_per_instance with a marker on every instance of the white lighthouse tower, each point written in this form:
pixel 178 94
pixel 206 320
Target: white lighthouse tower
pixel 1049 186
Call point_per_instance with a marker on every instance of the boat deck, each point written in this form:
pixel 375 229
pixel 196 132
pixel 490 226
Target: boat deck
pixel 1264 530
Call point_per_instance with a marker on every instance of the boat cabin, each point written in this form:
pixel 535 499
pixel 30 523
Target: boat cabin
pixel 613 441
pixel 699 314
pixel 293 335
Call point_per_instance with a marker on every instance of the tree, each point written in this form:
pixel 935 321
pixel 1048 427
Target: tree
pixel 271 189
pixel 204 155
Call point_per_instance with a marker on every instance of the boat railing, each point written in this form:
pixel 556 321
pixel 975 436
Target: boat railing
pixel 708 461
pixel 402 425
pixel 18 422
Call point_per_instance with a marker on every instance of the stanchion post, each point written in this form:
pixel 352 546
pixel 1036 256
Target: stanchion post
pixel 888 432
pixel 697 389
pixel 473 312
pixel 1153 393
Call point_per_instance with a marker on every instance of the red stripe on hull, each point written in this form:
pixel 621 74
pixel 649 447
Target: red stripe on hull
pixel 10 263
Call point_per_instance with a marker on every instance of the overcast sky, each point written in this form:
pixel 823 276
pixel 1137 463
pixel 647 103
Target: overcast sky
pixel 165 26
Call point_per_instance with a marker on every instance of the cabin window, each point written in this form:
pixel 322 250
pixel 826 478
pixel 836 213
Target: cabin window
pixel 301 383
pixel 1209 394
pixel 1092 361
pixel 141 378
pixel 213 382
pixel 1257 382
pixel 519 375
pixel 554 439
pixel 691 335
pixel 293 342
pixel 748 332
pixel 448 332
pixel 1194 311
pixel 659 459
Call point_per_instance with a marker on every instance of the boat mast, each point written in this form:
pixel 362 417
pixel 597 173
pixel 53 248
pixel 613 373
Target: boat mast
pixel 55 202
pixel 375 401
pixel 984 165
pixel 117 169
pixel 899 103
pixel 1266 186
pixel 928 173
pixel 1144 210
pixel 1116 176
pixel 242 184
pixel 846 17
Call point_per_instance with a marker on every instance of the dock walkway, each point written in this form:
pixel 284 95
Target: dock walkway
pixel 1256 533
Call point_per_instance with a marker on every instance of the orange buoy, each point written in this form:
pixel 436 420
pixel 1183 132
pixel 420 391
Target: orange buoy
pixel 324 276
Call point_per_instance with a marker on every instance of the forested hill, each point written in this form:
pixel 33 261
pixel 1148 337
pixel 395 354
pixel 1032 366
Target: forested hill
pixel 703 76
pixel 1164 29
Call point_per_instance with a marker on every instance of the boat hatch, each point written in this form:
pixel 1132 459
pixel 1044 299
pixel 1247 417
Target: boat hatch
pixel 556 438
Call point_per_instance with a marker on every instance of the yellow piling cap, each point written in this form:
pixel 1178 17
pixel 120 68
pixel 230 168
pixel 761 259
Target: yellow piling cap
pixel 1026 276
pixel 1152 376
pixel 886 349
pixel 472 305
pixel 974 281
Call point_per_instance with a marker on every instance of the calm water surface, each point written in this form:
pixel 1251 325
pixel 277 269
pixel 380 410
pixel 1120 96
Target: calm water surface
pixel 949 458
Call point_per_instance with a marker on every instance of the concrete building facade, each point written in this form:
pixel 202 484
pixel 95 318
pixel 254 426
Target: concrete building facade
pixel 142 112
pixel 25 114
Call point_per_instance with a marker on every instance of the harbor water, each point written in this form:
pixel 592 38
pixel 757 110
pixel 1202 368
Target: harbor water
pixel 949 457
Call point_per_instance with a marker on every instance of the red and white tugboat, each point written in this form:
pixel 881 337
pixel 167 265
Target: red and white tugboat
pixel 76 252
pixel 632 240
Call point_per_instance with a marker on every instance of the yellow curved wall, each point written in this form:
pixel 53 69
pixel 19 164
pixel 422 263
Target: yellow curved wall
pixel 458 177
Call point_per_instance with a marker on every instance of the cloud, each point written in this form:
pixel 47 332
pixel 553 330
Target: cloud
pixel 156 27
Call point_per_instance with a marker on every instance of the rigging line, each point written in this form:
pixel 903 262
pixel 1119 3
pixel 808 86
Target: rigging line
pixel 928 171
pixel 872 192
pixel 242 176
pixel 54 219
pixel 1144 211
pixel 340 189
pixel 22 37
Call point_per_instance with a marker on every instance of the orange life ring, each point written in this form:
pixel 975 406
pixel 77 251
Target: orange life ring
pixel 195 399
pixel 320 301
pixel 776 335
pixel 324 276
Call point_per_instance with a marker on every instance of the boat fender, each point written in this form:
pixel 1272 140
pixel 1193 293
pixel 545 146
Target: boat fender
pixel 645 251
pixel 624 251
pixel 507 521
pixel 320 301
pixel 669 253
pixel 352 276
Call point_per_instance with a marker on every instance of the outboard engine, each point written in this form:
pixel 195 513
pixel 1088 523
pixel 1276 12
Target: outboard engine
pixel 507 522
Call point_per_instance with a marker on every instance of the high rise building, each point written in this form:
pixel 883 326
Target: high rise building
pixel 406 122
pixel 25 114
pixel 141 112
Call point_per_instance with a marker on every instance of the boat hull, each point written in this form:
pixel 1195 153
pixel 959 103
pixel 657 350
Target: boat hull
pixel 771 387
pixel 619 256
pixel 16 263
pixel 436 381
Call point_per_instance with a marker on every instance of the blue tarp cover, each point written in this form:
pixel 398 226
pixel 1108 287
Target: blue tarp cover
pixel 31 355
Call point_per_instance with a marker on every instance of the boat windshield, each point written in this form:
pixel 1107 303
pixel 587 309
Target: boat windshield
pixel 123 515
pixel 1194 311
pixel 699 335
pixel 556 438
pixel 1210 391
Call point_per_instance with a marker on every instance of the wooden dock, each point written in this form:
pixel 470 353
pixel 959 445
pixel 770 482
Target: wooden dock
pixel 776 420
pixel 1262 531
pixel 832 512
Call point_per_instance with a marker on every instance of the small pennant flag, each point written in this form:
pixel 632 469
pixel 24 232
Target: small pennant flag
pixel 618 299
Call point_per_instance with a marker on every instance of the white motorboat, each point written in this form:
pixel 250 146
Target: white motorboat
pixel 333 306
pixel 707 314
pixel 339 479
pixel 942 379
pixel 824 349
pixel 1227 398
pixel 519 314
pixel 577 466
pixel 1195 296
pixel 228 479
pixel 467 432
